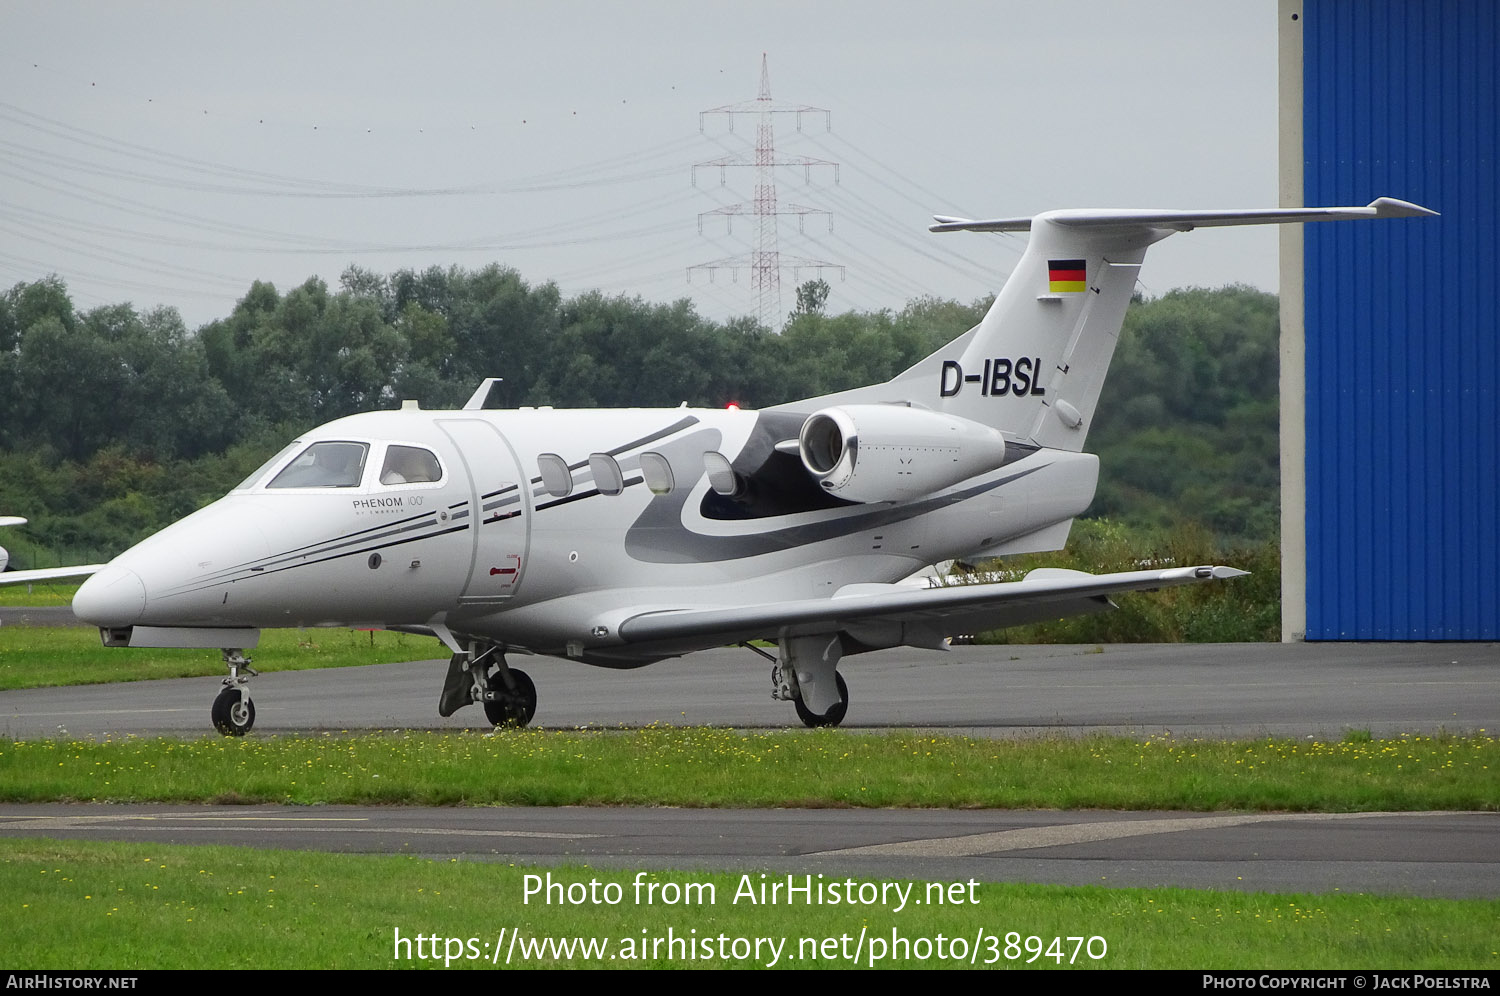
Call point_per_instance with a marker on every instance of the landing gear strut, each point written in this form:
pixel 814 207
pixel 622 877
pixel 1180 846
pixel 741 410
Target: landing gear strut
pixel 806 674
pixel 480 674
pixel 233 712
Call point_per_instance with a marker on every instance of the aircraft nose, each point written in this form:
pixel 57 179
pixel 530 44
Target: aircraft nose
pixel 115 596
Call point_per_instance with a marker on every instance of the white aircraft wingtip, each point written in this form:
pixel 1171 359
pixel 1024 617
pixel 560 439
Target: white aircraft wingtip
pixel 1390 207
pixel 948 223
pixel 944 223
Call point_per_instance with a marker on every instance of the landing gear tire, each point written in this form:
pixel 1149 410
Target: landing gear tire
pixel 514 708
pixel 233 712
pixel 834 716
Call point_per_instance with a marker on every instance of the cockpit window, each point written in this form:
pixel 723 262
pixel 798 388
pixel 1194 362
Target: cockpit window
pixel 409 465
pixel 261 471
pixel 325 465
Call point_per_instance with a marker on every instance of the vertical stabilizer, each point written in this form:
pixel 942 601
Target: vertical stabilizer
pixel 1034 367
pixel 1036 364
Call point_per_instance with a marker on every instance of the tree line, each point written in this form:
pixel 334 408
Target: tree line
pixel 114 421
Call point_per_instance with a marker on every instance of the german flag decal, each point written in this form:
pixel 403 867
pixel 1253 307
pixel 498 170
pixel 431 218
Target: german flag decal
pixel 1066 275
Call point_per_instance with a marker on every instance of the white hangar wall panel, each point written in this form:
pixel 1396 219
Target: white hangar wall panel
pixel 1402 368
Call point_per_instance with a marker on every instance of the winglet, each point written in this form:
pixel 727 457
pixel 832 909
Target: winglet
pixel 481 394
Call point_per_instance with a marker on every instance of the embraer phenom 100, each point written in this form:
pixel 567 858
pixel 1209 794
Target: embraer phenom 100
pixel 619 538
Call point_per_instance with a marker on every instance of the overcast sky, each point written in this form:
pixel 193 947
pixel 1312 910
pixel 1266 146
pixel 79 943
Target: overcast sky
pixel 172 152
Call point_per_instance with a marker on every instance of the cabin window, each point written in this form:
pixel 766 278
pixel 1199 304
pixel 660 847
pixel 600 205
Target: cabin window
pixel 721 476
pixel 607 476
pixel 325 465
pixel 410 465
pixel 556 477
pixel 658 473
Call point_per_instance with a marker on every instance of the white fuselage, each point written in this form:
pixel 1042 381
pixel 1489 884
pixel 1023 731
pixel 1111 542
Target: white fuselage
pixel 625 536
pixel 487 548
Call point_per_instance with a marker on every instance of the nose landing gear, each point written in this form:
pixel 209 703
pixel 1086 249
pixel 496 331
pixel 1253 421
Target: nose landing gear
pixel 233 712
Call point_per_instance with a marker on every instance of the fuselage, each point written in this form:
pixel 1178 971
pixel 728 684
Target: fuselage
pixel 539 528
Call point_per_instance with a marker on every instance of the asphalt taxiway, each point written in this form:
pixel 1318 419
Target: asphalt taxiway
pixel 1242 690
pixel 1213 690
pixel 1453 855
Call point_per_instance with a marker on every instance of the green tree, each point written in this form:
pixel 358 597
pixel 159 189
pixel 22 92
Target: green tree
pixel 812 296
pixel 1187 423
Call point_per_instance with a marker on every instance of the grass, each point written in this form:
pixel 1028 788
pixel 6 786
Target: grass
pixel 92 905
pixel 39 594
pixel 50 656
pixel 695 766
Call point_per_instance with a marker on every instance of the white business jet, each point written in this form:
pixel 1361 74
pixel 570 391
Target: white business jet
pixel 619 538
pixel 8 520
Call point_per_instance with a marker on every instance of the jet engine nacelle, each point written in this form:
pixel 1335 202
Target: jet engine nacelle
pixel 876 453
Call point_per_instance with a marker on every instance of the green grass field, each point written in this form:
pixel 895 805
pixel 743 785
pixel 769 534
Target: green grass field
pixel 31 595
pixel 142 906
pixel 107 905
pixel 50 656
pixel 696 766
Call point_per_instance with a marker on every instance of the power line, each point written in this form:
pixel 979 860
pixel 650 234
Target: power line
pixel 764 262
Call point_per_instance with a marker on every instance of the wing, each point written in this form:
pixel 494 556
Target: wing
pixel 49 574
pixel 46 574
pixel 900 615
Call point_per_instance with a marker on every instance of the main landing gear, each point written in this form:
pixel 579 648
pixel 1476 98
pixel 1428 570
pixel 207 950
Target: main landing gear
pixel 834 716
pixel 233 712
pixel 480 674
pixel 806 674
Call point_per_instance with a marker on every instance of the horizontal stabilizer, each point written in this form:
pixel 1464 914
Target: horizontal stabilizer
pixel 1186 221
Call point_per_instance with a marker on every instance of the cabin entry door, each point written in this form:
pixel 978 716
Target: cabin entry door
pixel 499 510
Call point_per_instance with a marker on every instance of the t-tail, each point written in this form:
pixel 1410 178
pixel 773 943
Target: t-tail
pixel 1034 367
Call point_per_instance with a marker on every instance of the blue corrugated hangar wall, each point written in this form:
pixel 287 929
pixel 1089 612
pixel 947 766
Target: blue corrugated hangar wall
pixel 1402 373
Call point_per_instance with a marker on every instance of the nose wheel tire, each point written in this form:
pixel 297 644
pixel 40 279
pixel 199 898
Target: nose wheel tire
pixel 233 712
pixel 834 716
pixel 513 708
